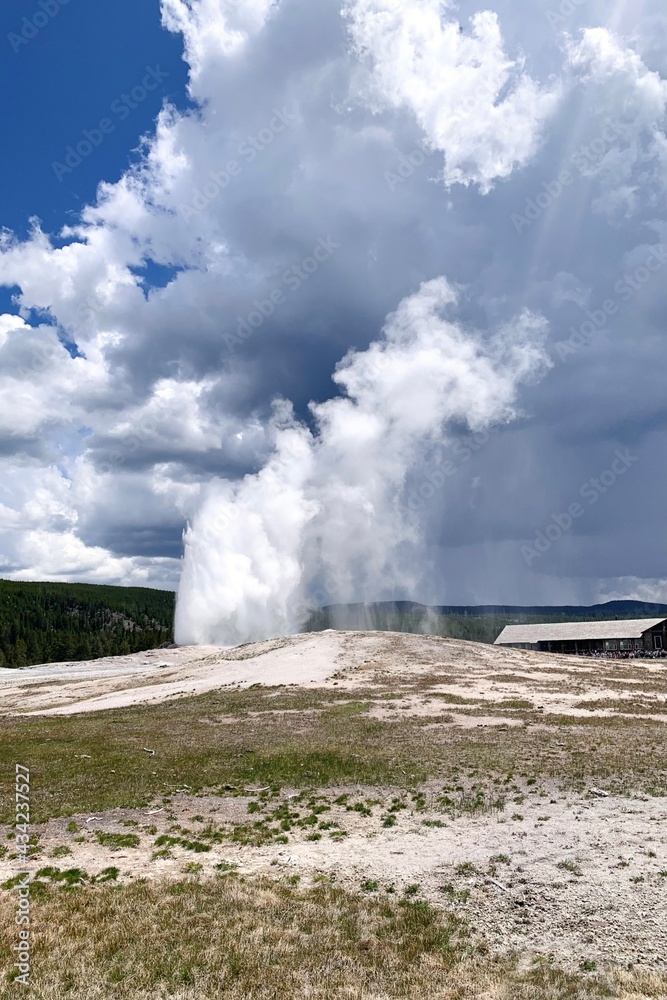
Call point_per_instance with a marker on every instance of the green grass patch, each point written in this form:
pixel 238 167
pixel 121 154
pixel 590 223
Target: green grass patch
pixel 165 840
pixel 117 840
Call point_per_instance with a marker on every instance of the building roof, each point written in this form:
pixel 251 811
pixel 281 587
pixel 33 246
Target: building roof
pixel 632 628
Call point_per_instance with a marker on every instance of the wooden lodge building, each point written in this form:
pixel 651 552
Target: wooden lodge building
pixel 637 634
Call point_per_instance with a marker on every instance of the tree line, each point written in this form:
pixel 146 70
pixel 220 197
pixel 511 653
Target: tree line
pixel 50 622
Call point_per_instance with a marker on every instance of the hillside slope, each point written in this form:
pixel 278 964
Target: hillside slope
pixel 42 622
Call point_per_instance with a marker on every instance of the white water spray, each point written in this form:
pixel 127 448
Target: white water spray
pixel 325 519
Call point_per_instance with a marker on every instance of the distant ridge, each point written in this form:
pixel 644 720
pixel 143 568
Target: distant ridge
pixel 610 609
pixel 479 622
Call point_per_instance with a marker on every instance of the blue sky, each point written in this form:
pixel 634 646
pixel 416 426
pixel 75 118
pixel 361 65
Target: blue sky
pixel 355 185
pixel 63 81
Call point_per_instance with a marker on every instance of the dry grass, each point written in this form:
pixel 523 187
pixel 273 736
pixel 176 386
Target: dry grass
pixel 195 940
pixel 628 706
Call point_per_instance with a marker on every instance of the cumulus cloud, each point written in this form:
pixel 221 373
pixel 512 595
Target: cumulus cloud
pixel 634 589
pixel 212 29
pixel 631 101
pixel 131 404
pixel 473 102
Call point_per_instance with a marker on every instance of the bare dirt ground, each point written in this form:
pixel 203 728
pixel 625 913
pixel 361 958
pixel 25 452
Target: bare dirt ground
pixel 534 863
pixel 577 877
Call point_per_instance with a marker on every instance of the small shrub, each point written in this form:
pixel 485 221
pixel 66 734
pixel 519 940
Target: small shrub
pixel 570 866
pixel 466 868
pixel 117 840
pixel 60 851
pixel 106 875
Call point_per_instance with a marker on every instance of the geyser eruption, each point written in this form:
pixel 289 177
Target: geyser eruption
pixel 325 520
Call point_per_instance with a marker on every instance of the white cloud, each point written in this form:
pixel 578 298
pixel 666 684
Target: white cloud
pixel 632 588
pixel 474 103
pixel 41 385
pixel 46 555
pixel 178 419
pixel 45 509
pixel 213 28
pixel 623 93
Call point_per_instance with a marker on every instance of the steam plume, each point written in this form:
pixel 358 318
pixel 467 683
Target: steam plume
pixel 325 520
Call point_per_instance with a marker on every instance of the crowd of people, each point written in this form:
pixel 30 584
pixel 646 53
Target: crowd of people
pixel 624 654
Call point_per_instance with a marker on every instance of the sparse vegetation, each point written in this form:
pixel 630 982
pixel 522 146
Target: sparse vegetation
pixel 294 765
pixel 190 845
pixel 60 851
pixel 117 840
pixel 466 868
pixel 500 859
pixel 571 866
